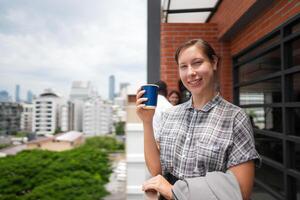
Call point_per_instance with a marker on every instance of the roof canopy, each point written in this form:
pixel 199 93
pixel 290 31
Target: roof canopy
pixel 188 11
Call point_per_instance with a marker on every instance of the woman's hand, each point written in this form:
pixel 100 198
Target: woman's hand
pixel 146 115
pixel 159 184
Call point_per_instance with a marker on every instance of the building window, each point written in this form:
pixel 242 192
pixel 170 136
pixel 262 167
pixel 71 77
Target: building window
pixel 267 86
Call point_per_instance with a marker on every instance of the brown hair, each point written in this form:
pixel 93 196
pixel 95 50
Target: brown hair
pixel 176 92
pixel 201 44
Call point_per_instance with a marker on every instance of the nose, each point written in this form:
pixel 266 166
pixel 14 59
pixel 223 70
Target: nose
pixel 191 71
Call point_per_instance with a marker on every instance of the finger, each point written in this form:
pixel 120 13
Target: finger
pixel 150 186
pixel 139 94
pixel 141 106
pixel 139 89
pixel 140 101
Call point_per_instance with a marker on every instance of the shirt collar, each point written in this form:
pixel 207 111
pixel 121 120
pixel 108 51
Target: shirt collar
pixel 209 105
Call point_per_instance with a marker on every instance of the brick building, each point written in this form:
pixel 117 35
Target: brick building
pixel 259 45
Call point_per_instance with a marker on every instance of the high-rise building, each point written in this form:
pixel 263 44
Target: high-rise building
pixel 29 96
pixel 4 96
pixel 80 92
pixel 111 87
pixel 17 93
pixel 97 117
pixel 46 113
pixel 10 115
pixel 26 117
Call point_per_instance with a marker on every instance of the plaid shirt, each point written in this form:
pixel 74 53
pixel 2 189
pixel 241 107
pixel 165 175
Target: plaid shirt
pixel 193 142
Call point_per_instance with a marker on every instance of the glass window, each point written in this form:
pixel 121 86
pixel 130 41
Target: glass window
pixel 264 65
pixel 266 118
pixel 293 85
pixel 261 93
pixel 294 53
pixel 271 177
pixel 259 193
pixel 293 119
pixel 263 45
pixel 295 155
pixel 295 186
pixel 296 27
pixel 269 147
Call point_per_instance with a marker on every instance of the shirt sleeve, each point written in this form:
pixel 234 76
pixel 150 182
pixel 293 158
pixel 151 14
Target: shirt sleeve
pixel 242 148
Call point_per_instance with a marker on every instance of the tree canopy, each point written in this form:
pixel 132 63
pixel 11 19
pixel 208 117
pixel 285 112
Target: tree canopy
pixel 80 173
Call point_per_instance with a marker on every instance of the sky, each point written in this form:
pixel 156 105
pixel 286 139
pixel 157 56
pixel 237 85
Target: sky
pixel 50 43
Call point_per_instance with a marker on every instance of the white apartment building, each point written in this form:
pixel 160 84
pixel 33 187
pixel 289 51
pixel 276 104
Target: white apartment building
pixel 46 113
pixel 81 91
pixel 97 117
pixel 26 117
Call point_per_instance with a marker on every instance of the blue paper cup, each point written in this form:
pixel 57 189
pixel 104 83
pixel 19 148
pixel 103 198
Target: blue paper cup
pixel 151 92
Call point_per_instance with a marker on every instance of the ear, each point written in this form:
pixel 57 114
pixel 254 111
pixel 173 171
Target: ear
pixel 215 63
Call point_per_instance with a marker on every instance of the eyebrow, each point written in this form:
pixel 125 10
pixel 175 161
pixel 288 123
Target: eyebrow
pixel 196 59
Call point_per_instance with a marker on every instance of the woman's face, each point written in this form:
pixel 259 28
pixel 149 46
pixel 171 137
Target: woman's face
pixel 196 71
pixel 174 99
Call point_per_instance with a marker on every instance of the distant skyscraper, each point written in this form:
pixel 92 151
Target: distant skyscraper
pixel 111 87
pixel 4 97
pixel 17 94
pixel 29 96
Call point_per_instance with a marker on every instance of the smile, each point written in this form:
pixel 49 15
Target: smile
pixel 195 82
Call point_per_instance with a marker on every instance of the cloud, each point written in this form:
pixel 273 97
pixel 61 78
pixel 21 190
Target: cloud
pixel 51 43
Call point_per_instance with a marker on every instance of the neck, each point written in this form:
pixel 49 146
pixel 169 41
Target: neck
pixel 200 100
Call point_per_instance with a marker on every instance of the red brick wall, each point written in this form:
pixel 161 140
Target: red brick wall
pixel 174 34
pixel 229 11
pixel 276 14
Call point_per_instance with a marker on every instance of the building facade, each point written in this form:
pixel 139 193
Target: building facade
pixel 111 89
pixel 17 94
pixel 259 44
pixel 80 92
pixel 46 113
pixel 97 117
pixel 10 118
pixel 29 96
pixel 26 117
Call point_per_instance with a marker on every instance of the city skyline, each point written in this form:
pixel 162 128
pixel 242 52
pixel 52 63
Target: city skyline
pixel 50 44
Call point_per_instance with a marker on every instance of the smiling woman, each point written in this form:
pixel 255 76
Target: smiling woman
pixel 205 134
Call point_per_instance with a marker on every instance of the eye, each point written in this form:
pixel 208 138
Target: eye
pixel 182 66
pixel 198 62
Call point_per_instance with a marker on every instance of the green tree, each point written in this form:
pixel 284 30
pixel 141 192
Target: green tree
pixel 120 128
pixel 79 173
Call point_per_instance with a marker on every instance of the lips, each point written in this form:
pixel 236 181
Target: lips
pixel 195 82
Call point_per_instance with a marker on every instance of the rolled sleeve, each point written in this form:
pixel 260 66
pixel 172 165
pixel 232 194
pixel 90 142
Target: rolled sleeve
pixel 243 145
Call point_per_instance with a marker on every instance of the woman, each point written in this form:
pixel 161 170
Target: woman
pixel 204 134
pixel 174 97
